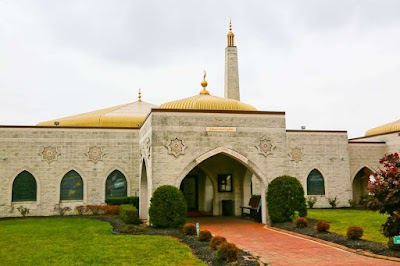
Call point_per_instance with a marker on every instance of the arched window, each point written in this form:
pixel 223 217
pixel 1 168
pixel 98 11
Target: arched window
pixel 315 183
pixel 71 186
pixel 116 185
pixel 24 187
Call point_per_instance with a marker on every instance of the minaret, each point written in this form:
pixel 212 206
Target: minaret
pixel 231 68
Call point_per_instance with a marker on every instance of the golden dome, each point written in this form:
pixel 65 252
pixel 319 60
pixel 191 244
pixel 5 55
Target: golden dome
pixel 129 115
pixel 388 128
pixel 205 101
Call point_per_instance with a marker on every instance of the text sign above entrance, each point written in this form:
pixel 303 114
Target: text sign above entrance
pixel 221 129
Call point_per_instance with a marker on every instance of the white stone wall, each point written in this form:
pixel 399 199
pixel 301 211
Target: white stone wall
pixel 392 141
pixel 21 148
pixel 365 155
pixel 327 152
pixel 200 144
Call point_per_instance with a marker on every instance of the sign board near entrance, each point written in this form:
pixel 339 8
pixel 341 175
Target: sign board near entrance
pixel 396 240
pixel 221 129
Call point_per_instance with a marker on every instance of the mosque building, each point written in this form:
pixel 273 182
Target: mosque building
pixel 215 149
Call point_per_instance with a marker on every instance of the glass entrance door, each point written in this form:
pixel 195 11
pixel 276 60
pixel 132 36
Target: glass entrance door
pixel 189 188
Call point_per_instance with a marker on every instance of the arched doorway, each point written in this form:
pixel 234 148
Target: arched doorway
pixel 144 201
pixel 198 190
pixel 230 176
pixel 360 183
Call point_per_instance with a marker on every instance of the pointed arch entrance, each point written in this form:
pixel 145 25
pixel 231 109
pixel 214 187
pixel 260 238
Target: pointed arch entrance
pixel 360 183
pixel 226 178
pixel 144 192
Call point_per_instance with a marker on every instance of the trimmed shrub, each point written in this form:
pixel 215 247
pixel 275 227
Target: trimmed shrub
pixel 129 214
pixel 189 229
pixel 333 202
pixel 352 203
pixel 322 226
pixel 123 200
pixel 301 222
pixel 216 241
pixel 228 251
pixel 132 229
pixel 205 235
pixel 285 196
pixel 355 232
pixel 167 207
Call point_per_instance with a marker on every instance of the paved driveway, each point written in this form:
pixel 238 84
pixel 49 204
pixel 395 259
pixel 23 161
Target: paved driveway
pixel 282 249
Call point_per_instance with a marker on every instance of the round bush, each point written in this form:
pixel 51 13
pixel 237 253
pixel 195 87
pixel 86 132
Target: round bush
pixel 355 232
pixel 205 235
pixel 167 207
pixel 301 222
pixel 322 226
pixel 216 241
pixel 285 195
pixel 189 229
pixel 228 251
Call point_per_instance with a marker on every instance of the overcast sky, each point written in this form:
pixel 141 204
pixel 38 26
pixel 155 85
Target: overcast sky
pixel 330 65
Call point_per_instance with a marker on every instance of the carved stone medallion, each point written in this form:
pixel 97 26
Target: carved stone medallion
pixel 296 154
pixel 176 147
pixel 49 154
pixel 265 147
pixel 95 154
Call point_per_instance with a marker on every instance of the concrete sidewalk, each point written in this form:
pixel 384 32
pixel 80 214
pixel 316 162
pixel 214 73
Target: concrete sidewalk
pixel 279 248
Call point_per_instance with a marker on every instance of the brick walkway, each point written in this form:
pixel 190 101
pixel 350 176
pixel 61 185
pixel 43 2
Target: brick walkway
pixel 282 249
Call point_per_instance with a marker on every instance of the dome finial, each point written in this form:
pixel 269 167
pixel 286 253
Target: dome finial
pixel 231 35
pixel 140 95
pixel 204 85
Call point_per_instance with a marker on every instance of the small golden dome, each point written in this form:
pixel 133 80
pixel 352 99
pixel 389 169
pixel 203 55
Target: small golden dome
pixel 131 115
pixel 387 128
pixel 205 101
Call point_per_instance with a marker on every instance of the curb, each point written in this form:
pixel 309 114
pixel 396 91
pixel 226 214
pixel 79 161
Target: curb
pixel 321 241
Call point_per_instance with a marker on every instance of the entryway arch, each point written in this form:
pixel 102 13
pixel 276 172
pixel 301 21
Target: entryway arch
pixel 145 191
pixel 229 171
pixel 360 183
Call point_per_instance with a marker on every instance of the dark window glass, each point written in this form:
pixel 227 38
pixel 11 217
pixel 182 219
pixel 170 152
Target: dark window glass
pixel 116 185
pixel 225 183
pixel 315 183
pixel 71 186
pixel 24 187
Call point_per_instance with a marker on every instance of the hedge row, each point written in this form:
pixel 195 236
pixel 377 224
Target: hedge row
pixel 123 200
pixel 129 214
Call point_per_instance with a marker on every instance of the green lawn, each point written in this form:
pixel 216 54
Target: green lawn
pixel 341 219
pixel 82 241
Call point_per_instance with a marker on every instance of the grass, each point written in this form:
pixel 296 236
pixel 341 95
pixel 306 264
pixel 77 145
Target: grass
pixel 83 241
pixel 341 219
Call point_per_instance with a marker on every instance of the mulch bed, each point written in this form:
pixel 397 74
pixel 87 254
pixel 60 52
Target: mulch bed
pixel 364 245
pixel 199 249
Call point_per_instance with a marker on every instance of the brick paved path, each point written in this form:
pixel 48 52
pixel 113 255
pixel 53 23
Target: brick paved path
pixel 280 248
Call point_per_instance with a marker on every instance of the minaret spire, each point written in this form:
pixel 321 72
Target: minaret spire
pixel 231 67
pixel 231 35
pixel 140 95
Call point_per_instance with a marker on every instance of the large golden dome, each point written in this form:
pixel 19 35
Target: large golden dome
pixel 387 128
pixel 205 101
pixel 131 115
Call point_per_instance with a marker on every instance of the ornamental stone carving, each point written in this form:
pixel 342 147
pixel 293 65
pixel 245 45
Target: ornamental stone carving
pixel 176 147
pixel 296 154
pixel 145 150
pixel 95 154
pixel 49 154
pixel 265 147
